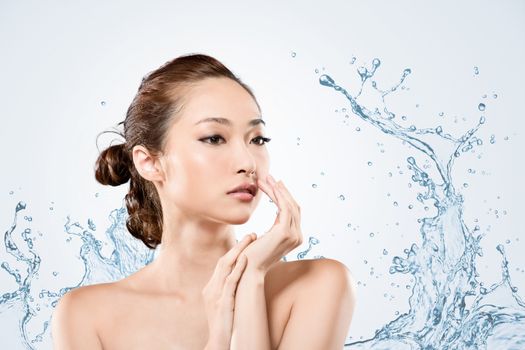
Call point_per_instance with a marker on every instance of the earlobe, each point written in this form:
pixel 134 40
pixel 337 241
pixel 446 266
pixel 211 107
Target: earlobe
pixel 146 164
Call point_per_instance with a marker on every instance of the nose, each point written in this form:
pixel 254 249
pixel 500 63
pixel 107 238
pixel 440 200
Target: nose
pixel 244 160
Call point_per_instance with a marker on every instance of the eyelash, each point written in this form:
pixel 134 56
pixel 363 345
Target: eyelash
pixel 265 139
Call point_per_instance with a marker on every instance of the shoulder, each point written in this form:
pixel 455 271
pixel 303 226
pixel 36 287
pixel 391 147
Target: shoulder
pixel 308 271
pixel 309 279
pixel 74 319
pixel 322 305
pixel 331 271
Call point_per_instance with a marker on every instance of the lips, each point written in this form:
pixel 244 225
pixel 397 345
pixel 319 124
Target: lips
pixel 245 187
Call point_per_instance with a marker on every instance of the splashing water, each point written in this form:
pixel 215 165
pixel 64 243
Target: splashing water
pixel 21 305
pixel 448 307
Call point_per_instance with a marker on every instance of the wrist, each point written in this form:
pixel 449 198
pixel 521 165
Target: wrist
pixel 254 274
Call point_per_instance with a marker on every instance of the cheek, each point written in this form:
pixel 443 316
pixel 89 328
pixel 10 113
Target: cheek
pixel 195 171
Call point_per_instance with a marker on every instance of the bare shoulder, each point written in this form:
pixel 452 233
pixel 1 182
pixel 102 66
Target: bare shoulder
pixel 322 302
pixel 331 271
pixel 309 271
pixel 73 322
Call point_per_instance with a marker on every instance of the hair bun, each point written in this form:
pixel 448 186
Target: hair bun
pixel 113 166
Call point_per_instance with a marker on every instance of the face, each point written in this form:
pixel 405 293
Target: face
pixel 205 159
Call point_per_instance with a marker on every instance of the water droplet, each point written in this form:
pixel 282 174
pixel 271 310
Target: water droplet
pixel 369 163
pixel 55 273
pixel 495 95
pixel 357 129
pixel 465 185
pixel 102 103
pixel 293 54
pixel 317 70
pixel 371 234
pixel 410 206
pixel 341 197
pixel 11 192
pixel 385 252
pixel 476 70
pixel 20 206
pixel 481 107
pixel 395 204
pixel 322 173
pixel 326 80
pixel 314 185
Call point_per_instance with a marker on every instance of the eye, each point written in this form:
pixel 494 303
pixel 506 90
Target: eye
pixel 264 139
pixel 212 138
pixel 215 138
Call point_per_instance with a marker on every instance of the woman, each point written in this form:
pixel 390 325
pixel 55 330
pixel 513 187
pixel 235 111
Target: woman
pixel 195 156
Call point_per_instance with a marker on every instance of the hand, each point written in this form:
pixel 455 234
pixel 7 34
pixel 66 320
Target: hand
pixel 219 294
pixel 285 234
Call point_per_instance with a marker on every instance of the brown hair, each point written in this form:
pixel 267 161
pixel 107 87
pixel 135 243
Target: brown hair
pixel 153 109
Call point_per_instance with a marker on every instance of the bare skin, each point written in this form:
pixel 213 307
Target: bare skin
pixel 161 305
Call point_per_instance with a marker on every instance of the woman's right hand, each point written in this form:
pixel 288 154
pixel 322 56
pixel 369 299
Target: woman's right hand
pixel 219 294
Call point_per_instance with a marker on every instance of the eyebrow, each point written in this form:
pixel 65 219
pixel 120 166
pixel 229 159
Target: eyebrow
pixel 227 122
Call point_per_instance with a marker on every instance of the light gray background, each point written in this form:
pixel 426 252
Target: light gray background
pixel 59 60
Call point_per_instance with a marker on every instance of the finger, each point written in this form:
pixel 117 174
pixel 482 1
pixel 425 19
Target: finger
pixel 285 207
pixel 230 257
pixel 233 278
pixel 268 189
pixel 288 195
pixel 292 208
pixel 225 264
pixel 289 198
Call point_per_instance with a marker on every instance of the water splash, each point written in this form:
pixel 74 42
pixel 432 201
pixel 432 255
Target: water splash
pixel 448 307
pixel 21 305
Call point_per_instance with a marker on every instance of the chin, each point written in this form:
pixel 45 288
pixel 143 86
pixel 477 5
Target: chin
pixel 239 220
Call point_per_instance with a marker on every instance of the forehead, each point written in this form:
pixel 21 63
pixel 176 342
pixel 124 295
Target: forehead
pixel 219 98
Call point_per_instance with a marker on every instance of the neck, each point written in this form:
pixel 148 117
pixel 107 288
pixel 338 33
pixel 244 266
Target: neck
pixel 189 253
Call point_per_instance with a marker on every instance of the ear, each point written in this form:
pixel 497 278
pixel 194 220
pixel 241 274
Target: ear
pixel 147 165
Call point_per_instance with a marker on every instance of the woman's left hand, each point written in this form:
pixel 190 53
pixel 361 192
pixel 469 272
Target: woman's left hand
pixel 285 234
